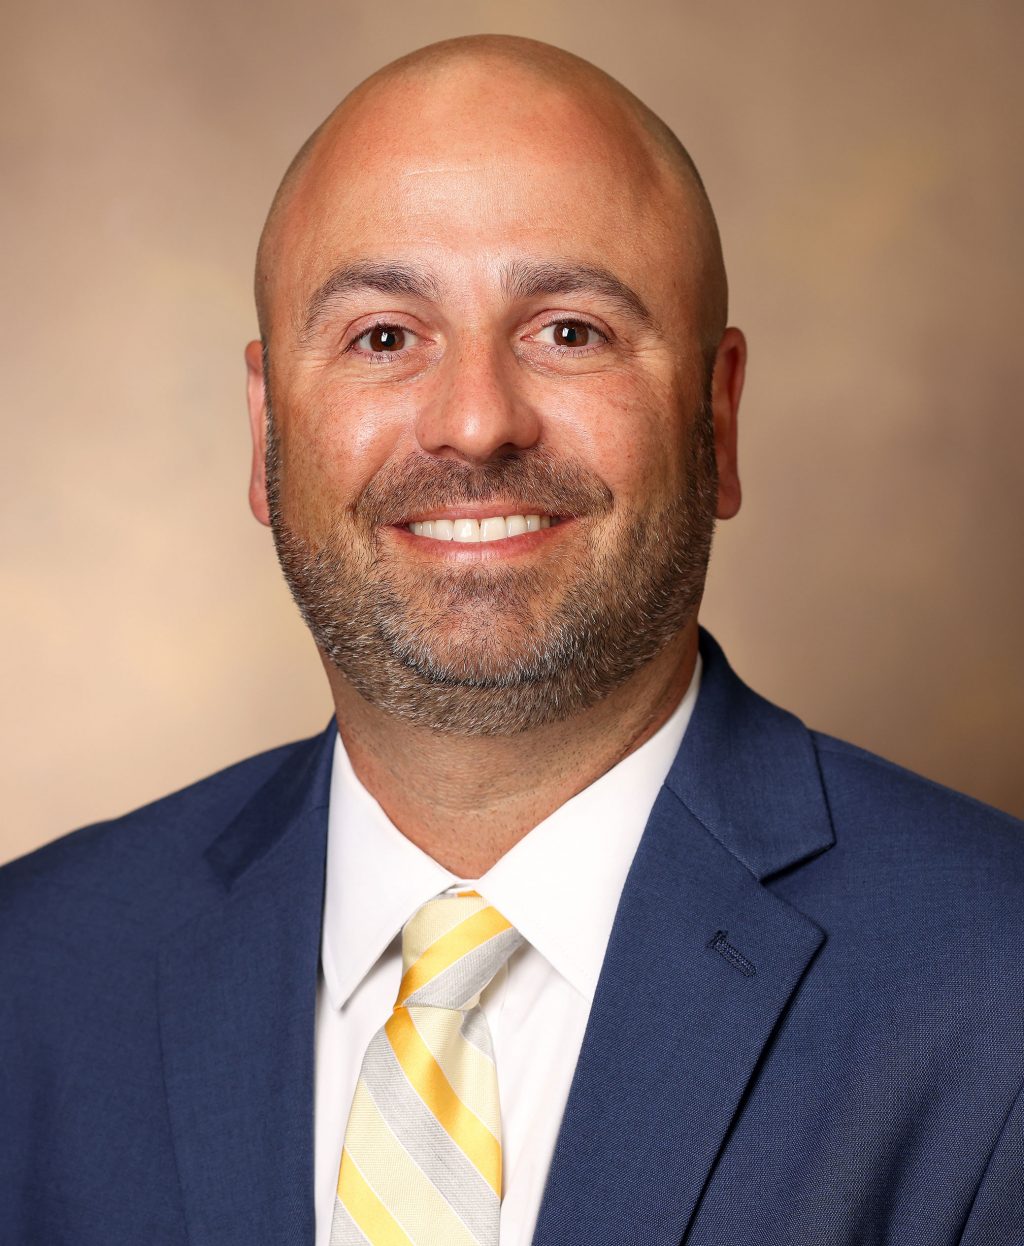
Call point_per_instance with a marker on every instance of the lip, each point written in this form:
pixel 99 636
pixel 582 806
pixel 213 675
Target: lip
pixel 485 510
pixel 477 551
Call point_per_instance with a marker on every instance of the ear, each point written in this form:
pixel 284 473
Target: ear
pixel 726 388
pixel 257 397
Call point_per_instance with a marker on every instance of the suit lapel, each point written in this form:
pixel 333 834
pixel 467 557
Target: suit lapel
pixel 701 964
pixel 237 1008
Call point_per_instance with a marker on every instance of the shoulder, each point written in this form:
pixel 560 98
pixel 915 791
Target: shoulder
pixel 875 794
pixel 926 864
pixel 129 874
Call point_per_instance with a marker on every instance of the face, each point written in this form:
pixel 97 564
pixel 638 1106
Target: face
pixel 495 449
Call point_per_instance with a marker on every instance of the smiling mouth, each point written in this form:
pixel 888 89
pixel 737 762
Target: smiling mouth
pixel 468 530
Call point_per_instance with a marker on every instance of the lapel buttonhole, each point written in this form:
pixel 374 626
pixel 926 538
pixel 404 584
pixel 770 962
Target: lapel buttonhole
pixel 719 943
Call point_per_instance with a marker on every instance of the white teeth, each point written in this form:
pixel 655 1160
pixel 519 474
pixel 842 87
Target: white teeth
pixel 493 529
pixel 468 531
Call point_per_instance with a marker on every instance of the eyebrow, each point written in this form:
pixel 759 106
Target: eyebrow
pixel 386 278
pixel 522 279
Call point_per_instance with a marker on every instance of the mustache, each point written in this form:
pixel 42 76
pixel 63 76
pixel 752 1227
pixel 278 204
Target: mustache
pixel 537 479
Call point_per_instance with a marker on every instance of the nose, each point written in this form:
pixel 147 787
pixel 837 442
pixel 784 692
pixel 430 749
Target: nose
pixel 478 411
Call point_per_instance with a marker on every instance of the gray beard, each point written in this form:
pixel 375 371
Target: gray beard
pixel 476 655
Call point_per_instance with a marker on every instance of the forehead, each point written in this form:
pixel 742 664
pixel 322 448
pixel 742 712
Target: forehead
pixel 473 173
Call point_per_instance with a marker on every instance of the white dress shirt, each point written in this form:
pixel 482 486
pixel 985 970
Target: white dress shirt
pixel 559 886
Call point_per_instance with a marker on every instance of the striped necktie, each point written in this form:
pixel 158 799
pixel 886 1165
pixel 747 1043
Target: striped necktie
pixel 421 1165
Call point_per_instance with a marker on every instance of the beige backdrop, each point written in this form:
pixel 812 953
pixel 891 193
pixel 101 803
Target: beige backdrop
pixel 865 164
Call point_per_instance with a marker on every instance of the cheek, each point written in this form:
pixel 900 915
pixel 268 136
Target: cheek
pixel 629 430
pixel 333 443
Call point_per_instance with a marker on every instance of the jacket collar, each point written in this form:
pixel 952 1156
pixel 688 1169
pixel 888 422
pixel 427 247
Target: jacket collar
pixel 748 772
pixel 299 791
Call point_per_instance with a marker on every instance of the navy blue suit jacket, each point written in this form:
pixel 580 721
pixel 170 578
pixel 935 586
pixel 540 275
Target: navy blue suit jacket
pixel 808 1030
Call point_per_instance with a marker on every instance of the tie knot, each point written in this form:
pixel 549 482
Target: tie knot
pixel 451 948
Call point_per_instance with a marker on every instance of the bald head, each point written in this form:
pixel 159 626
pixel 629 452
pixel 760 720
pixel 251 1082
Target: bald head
pixel 506 92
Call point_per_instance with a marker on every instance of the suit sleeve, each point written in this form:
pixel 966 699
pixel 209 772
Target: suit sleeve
pixel 997 1214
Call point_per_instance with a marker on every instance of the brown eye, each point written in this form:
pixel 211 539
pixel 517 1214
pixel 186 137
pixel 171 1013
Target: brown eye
pixel 573 333
pixel 569 333
pixel 385 337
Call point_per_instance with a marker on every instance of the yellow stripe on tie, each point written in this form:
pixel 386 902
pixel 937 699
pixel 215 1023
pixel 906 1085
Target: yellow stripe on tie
pixel 427 1215
pixel 471 1136
pixel 469 1071
pixel 451 947
pixel 375 1222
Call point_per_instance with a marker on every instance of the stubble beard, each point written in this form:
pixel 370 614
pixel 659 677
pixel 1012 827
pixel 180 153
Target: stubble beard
pixel 498 650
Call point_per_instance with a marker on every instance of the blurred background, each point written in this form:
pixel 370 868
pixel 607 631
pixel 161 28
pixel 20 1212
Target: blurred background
pixel 865 162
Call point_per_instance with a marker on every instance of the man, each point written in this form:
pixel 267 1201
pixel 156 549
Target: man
pixel 613 951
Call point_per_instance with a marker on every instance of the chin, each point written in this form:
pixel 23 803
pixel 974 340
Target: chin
pixel 467 657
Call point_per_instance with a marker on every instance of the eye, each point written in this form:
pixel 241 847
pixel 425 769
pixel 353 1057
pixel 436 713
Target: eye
pixel 571 334
pixel 385 339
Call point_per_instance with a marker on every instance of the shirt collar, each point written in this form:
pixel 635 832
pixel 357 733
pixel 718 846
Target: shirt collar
pixel 376 880
pixel 559 885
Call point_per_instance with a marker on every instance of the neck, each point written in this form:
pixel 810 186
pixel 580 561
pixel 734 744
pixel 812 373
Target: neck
pixel 466 800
